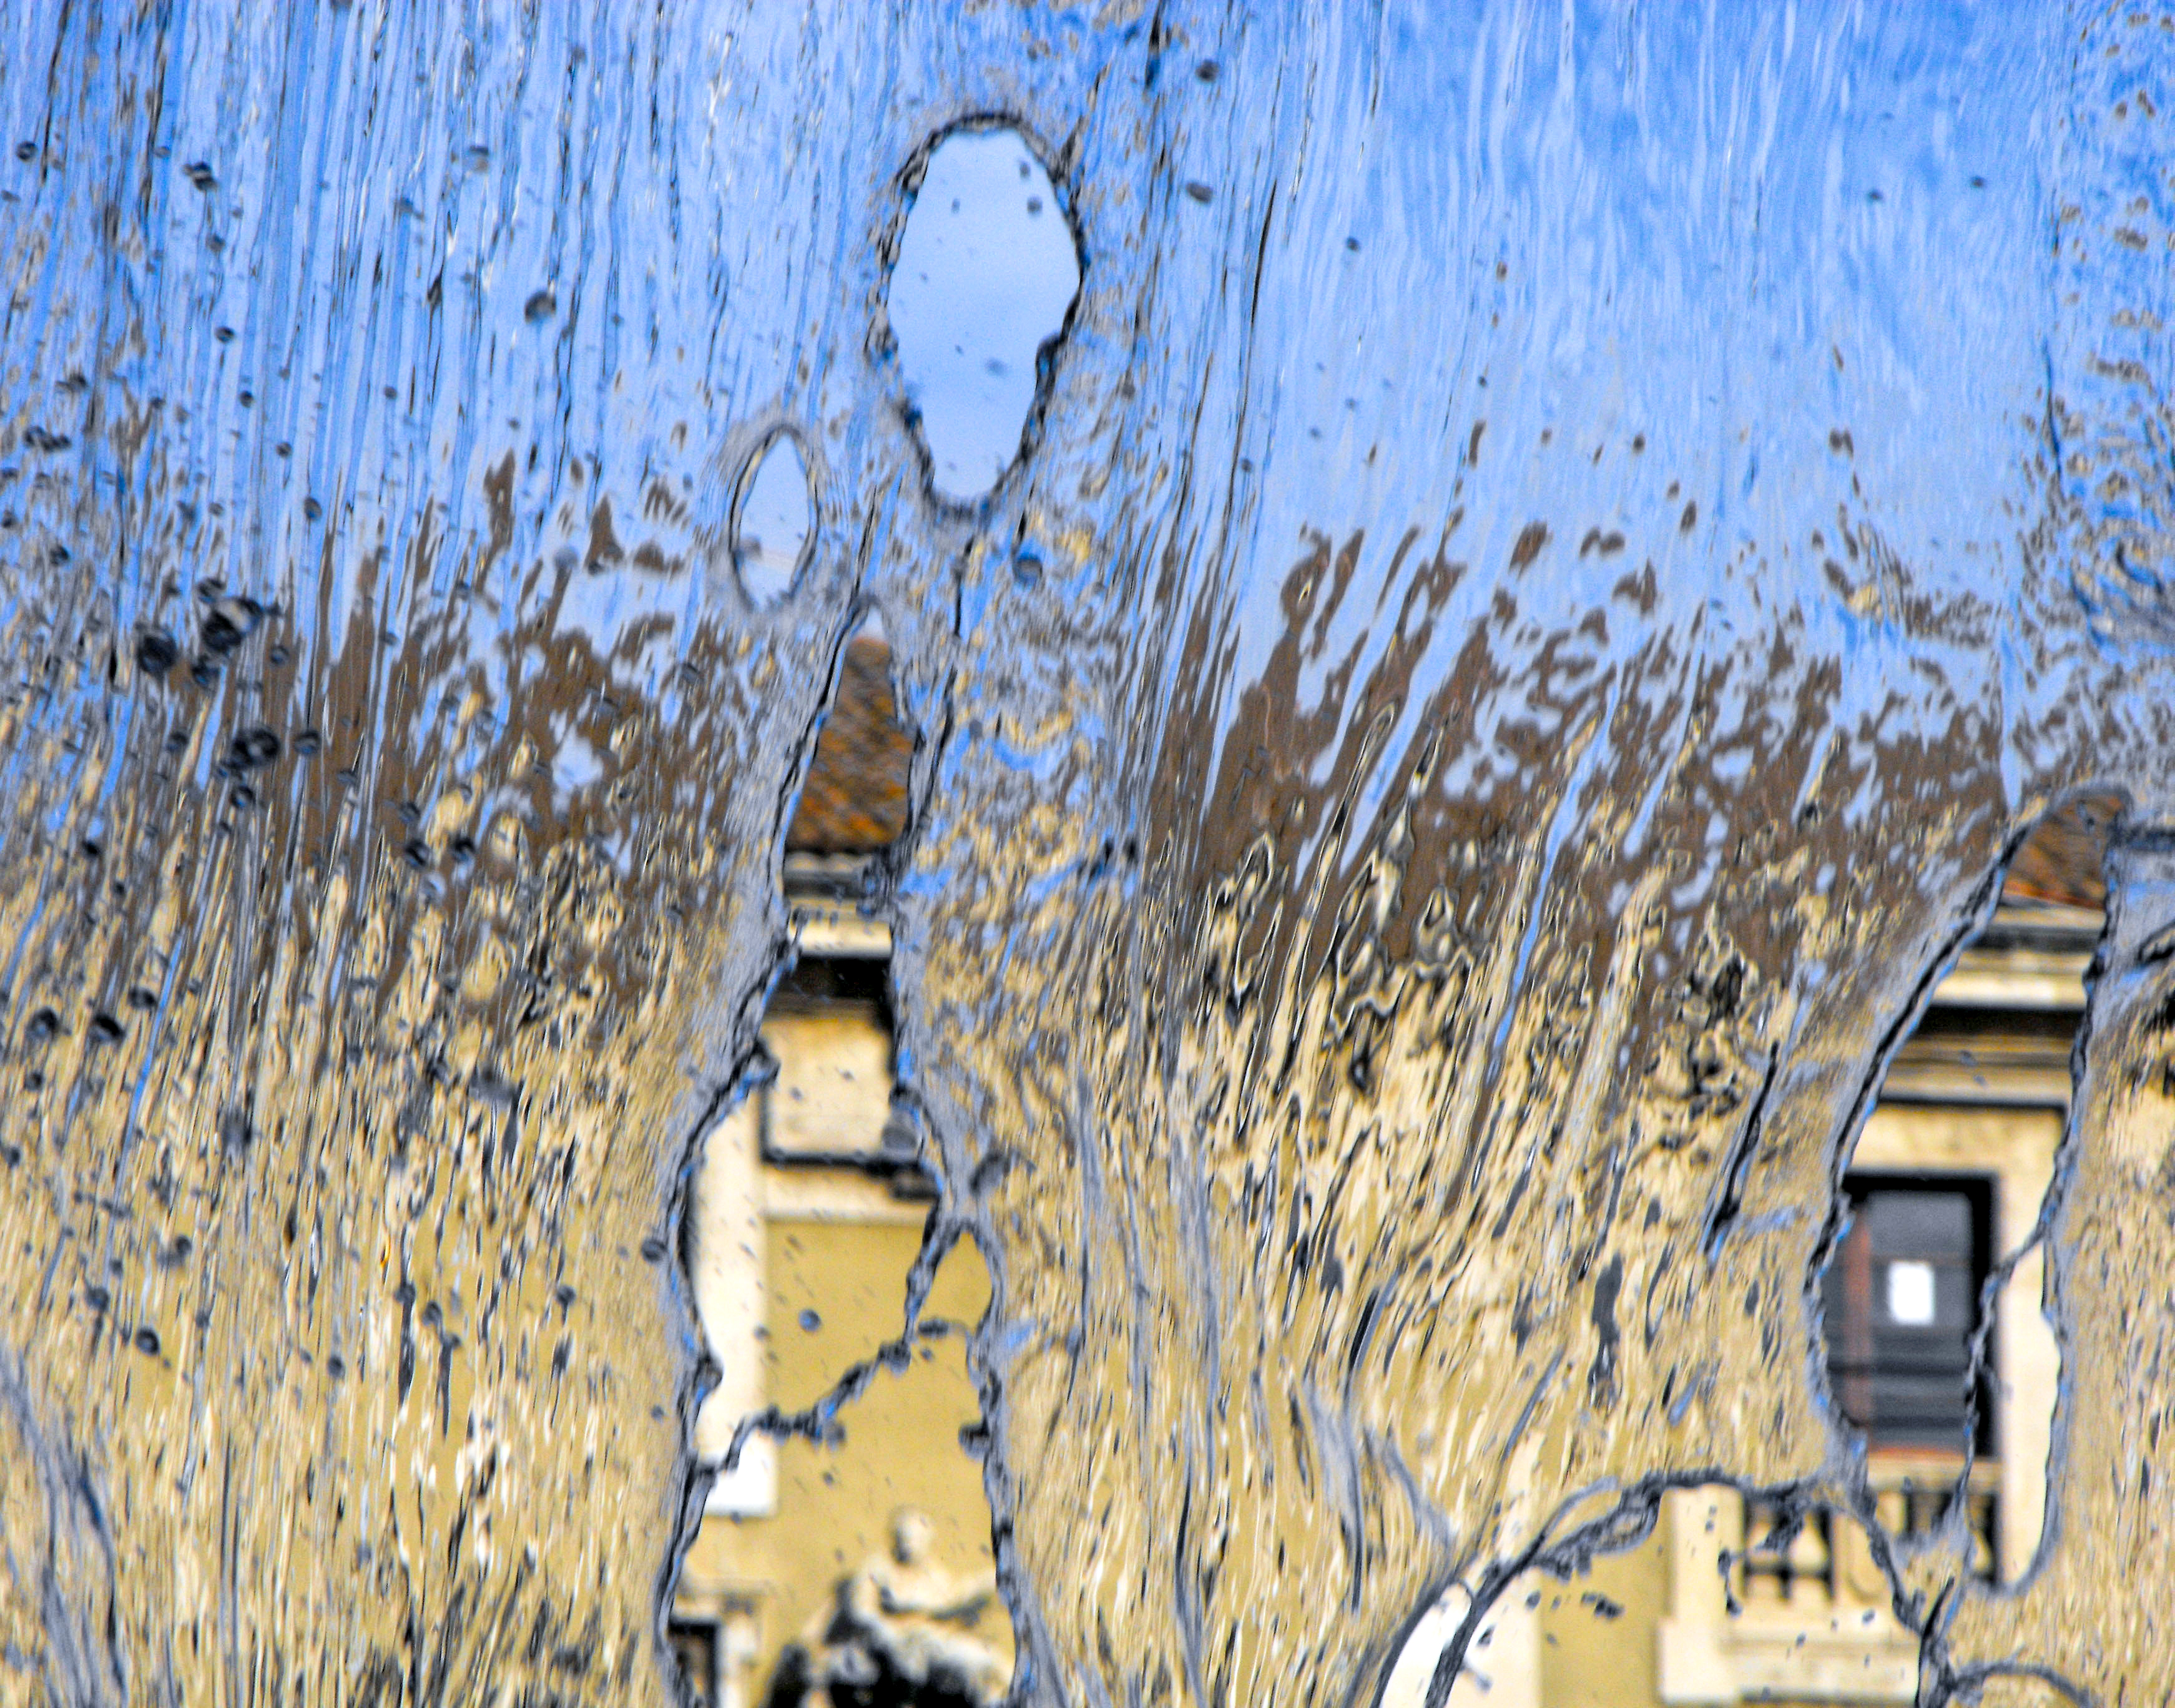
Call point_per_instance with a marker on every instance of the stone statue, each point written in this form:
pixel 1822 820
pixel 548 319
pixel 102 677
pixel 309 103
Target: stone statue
pixel 898 1631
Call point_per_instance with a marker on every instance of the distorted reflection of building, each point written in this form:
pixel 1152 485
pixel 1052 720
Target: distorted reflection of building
pixel 1733 1599
pixel 860 1573
pixel 1946 1183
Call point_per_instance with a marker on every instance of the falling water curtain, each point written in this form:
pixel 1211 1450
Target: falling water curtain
pixel 1571 542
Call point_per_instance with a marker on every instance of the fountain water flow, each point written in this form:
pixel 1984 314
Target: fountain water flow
pixel 1483 593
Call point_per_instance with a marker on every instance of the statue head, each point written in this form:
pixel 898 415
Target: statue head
pixel 911 1535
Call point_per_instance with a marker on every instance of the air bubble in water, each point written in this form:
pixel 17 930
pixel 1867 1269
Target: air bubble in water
pixel 985 273
pixel 772 523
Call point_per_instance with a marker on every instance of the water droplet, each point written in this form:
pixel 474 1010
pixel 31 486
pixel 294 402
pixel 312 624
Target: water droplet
pixel 981 287
pixel 772 523
pixel 229 623
pixel 810 1322
pixel 252 750
pixel 156 651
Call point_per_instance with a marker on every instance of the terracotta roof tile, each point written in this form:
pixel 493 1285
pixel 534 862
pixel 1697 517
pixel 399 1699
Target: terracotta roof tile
pixel 2060 860
pixel 855 798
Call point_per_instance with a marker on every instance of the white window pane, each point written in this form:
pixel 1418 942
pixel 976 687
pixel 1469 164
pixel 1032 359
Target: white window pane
pixel 1911 1294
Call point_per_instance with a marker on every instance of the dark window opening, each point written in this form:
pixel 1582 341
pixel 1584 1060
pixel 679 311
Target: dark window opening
pixel 1901 1294
pixel 695 1651
pixel 817 982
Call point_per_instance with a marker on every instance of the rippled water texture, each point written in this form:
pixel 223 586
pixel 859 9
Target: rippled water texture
pixel 1558 550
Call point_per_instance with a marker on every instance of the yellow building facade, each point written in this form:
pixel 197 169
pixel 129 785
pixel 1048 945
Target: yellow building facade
pixel 808 1216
